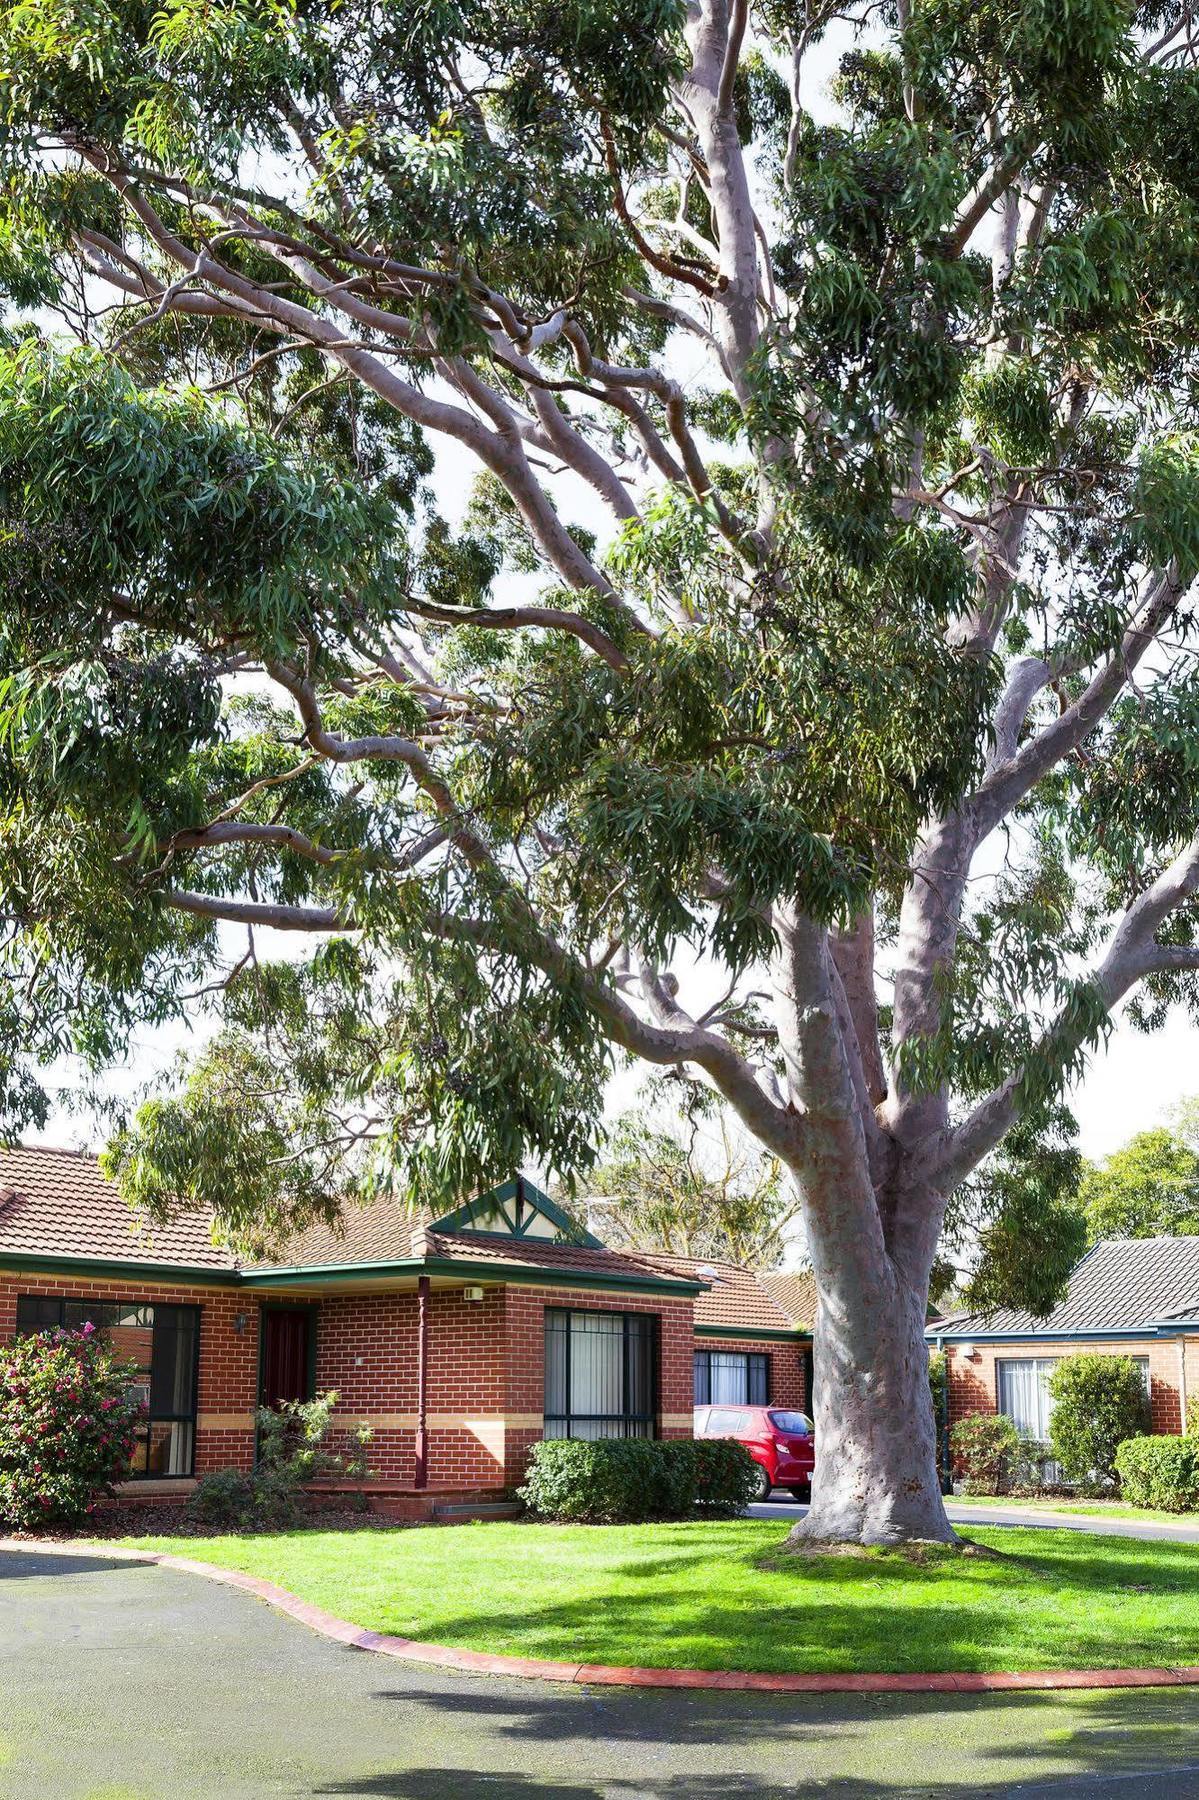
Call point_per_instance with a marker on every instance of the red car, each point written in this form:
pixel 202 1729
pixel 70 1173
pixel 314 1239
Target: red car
pixel 780 1441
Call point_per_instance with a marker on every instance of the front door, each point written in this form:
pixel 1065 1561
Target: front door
pixel 285 1361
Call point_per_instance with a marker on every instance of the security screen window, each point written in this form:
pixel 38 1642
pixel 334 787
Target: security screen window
pixel 161 1343
pixel 732 1378
pixel 599 1374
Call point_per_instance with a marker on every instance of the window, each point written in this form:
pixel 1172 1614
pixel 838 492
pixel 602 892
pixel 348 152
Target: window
pixel 599 1374
pixel 1023 1391
pixel 797 1423
pixel 724 1422
pixel 731 1378
pixel 162 1342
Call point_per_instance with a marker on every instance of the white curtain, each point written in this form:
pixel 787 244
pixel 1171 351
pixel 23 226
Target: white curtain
pixel 1024 1394
pixel 729 1377
pixel 597 1371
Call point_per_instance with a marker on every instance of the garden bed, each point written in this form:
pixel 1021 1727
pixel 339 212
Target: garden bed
pixel 168 1520
pixel 718 1595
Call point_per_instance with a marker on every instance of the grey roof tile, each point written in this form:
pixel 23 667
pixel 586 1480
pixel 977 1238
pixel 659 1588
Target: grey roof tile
pixel 1120 1285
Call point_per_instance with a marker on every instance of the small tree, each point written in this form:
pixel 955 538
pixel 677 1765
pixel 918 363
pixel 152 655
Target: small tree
pixel 68 1426
pixel 1098 1402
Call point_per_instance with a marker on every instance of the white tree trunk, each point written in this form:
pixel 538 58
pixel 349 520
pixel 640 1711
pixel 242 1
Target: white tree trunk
pixel 876 1476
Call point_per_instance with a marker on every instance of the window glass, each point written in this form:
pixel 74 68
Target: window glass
pixel 796 1422
pixel 1023 1393
pixel 599 1374
pixel 161 1344
pixel 727 1424
pixel 731 1378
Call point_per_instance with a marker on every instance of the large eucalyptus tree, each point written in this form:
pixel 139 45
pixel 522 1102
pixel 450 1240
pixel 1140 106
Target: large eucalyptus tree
pixel 876 689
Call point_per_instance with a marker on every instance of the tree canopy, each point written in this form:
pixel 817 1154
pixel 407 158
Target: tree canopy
pixel 689 1182
pixel 819 609
pixel 1147 1188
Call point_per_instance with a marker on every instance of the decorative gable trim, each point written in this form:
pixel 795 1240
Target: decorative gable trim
pixel 513 1210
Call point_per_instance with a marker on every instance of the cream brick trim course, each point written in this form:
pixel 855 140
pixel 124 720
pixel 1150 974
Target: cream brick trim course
pixel 243 1421
pixel 678 1421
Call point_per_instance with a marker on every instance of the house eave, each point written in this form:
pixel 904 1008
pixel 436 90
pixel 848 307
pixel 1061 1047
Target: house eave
pixel 772 1333
pixel 122 1269
pixel 507 1274
pixel 1063 1335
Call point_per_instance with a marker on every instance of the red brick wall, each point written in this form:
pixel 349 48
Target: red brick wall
pixel 366 1348
pixel 788 1386
pixel 486 1369
pixel 974 1384
pixel 228 1383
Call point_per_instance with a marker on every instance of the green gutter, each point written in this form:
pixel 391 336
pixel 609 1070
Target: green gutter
pixel 134 1271
pixel 327 1274
pixel 460 1266
pixel 747 1331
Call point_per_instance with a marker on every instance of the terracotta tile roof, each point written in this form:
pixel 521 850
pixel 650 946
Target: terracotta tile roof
pixel 735 1296
pixel 1120 1285
pixel 795 1293
pixel 384 1233
pixel 57 1203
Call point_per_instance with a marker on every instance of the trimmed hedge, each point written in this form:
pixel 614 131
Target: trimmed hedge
pixel 626 1481
pixel 1161 1472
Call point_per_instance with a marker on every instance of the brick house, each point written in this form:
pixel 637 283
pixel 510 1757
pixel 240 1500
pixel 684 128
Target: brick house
pixel 459 1340
pixel 1135 1297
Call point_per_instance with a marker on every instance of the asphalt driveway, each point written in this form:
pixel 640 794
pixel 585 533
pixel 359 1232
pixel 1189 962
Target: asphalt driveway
pixel 129 1682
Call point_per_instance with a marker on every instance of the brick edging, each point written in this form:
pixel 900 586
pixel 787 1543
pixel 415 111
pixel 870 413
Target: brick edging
pixel 480 1662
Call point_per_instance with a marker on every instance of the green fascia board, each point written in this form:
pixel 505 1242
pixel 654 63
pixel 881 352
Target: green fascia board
pixel 329 1274
pixel 1077 1336
pixel 461 1218
pixel 510 1275
pixel 98 1267
pixel 797 1333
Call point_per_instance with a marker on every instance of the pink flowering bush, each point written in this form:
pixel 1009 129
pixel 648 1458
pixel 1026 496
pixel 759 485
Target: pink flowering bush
pixel 68 1426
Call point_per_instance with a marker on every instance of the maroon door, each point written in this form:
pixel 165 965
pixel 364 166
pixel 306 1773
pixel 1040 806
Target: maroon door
pixel 284 1355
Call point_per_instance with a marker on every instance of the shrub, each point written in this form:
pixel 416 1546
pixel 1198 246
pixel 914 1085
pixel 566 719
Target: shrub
pixel 1098 1401
pixel 1160 1472
pixel 725 1475
pixel 1192 1427
pixel 68 1426
pixel 1025 1471
pixel 224 1499
pixel 292 1449
pixel 623 1481
pixel 938 1381
pixel 985 1448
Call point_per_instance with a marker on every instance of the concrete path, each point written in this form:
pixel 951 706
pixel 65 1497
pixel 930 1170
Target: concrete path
pixel 962 1513
pixel 128 1682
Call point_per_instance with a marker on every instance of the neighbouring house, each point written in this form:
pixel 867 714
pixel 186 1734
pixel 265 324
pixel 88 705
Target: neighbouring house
pixel 1135 1297
pixel 459 1340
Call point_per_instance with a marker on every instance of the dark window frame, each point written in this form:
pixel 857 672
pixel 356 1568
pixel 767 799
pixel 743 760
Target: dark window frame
pixel 758 1363
pixel 647 1335
pixel 45 1302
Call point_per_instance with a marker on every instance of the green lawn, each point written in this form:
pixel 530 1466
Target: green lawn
pixel 1094 1509
pixel 717 1595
